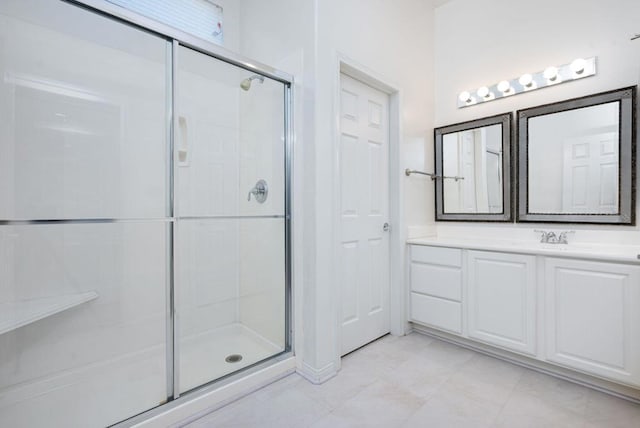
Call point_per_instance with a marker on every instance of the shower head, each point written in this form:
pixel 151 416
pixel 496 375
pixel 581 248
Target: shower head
pixel 246 83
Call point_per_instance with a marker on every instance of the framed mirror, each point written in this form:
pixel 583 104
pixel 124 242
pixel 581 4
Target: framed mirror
pixel 473 170
pixel 576 160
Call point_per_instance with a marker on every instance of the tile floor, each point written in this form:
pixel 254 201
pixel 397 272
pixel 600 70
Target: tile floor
pixel 417 381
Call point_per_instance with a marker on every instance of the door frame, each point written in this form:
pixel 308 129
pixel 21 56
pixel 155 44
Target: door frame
pixel 397 235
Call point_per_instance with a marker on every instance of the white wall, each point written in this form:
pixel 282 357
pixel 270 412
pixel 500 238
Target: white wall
pixel 305 39
pixel 394 43
pixel 480 42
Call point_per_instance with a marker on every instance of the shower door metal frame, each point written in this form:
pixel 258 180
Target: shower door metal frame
pixel 287 126
pixel 176 38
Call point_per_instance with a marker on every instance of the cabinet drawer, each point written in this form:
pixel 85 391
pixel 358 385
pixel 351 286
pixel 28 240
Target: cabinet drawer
pixel 438 281
pixel 436 312
pixel 436 255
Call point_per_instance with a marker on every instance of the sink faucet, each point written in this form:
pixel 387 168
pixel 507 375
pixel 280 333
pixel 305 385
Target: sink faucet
pixel 546 236
pixel 562 238
pixel 550 237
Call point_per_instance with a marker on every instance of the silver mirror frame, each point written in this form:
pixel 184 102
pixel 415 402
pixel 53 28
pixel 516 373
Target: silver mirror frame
pixel 627 153
pixel 506 215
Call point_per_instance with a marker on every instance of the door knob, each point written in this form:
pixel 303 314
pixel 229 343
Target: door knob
pixel 386 227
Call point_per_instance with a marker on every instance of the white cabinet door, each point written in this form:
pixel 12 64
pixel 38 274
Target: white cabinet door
pixel 593 317
pixel 501 305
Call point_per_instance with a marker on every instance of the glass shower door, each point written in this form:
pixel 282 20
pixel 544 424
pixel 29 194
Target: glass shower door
pixel 230 237
pixel 83 217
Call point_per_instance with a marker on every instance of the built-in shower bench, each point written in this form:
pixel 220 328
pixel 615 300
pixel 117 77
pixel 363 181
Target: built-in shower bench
pixel 19 313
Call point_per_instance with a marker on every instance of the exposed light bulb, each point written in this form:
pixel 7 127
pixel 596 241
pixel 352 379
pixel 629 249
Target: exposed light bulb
pixel 465 97
pixel 504 87
pixel 578 65
pixel 526 80
pixel 551 73
pixel 483 92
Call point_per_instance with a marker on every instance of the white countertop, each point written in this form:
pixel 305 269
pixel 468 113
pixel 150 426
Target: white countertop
pixel 605 252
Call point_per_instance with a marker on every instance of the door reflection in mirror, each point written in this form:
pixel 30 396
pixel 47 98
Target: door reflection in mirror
pixel 472 170
pixel 573 161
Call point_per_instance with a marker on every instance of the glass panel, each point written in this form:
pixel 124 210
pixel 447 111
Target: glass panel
pixel 82 323
pixel 230 295
pixel 83 306
pixel 573 160
pixel 471 162
pixel 230 285
pixel 83 102
pixel 230 135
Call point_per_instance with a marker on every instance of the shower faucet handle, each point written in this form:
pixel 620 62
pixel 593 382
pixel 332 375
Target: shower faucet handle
pixel 260 191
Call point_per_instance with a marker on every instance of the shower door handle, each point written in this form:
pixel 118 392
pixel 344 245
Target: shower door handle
pixel 260 191
pixel 183 148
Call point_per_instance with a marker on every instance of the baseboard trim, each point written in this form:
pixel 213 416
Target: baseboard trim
pixel 607 387
pixel 318 376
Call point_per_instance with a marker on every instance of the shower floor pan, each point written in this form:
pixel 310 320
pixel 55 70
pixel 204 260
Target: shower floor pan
pixel 213 354
pixel 46 401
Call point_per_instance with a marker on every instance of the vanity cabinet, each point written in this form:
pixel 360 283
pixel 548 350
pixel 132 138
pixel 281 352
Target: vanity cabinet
pixel 592 312
pixel 501 307
pixel 571 311
pixel 436 287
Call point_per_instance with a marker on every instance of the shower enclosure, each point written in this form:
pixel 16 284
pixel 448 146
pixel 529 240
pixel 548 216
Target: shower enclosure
pixel 144 215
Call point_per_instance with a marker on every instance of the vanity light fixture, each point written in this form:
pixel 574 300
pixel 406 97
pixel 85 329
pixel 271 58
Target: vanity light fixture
pixel 552 75
pixel 484 93
pixel 505 87
pixel 578 65
pixel 527 82
pixel 466 98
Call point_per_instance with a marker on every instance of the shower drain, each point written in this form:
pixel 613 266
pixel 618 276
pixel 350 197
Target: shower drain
pixel 233 358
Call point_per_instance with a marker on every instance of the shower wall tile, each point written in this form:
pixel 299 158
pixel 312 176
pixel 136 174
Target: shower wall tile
pixel 262 278
pixel 207 136
pixel 88 144
pixel 263 313
pixel 207 274
pixel 262 154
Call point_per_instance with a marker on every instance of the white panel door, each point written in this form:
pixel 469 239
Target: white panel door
pixel 502 306
pixel 593 317
pixel 363 247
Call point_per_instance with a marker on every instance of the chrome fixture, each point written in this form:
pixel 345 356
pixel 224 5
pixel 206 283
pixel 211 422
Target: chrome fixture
pixel 408 172
pixel 246 83
pixel 550 237
pixel 386 227
pixel 260 191
pixel 552 75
